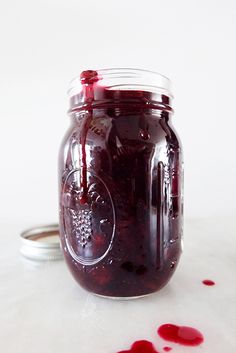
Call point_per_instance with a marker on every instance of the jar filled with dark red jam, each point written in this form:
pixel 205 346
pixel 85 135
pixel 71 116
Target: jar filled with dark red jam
pixel 120 176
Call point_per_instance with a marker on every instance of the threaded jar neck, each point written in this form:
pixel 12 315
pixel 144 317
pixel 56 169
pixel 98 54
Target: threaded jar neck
pixel 120 86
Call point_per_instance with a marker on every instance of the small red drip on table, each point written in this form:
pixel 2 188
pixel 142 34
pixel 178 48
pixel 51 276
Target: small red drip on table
pixel 167 349
pixel 208 282
pixel 141 347
pixel 185 335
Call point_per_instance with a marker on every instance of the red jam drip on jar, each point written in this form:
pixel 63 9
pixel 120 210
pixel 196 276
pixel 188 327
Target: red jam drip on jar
pixel 141 347
pixel 87 78
pixel 208 282
pixel 167 349
pixel 187 336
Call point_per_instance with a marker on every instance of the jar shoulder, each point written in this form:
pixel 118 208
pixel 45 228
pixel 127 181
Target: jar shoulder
pixel 109 137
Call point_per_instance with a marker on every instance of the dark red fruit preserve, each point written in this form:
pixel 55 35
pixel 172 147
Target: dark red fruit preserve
pixel 120 175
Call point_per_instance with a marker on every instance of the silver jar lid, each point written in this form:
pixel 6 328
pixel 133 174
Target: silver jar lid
pixel 41 243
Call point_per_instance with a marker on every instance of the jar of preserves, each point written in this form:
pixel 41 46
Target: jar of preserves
pixel 120 176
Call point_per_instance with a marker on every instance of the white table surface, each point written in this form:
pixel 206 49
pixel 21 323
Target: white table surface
pixel 43 310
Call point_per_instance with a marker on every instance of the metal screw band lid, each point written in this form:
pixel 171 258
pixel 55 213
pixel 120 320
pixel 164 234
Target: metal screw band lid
pixel 41 243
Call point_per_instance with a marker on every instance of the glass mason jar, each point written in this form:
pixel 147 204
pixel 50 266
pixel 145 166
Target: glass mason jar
pixel 120 175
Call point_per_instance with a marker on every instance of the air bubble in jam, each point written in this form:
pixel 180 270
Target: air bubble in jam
pixel 173 263
pixel 172 241
pixel 144 134
pixel 105 225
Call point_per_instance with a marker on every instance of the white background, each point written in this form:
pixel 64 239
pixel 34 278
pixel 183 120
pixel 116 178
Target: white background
pixel 46 43
pixel 43 44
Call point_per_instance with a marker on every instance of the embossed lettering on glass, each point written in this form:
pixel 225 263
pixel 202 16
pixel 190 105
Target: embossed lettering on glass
pixel 121 183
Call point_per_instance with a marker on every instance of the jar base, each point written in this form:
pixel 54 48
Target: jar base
pixel 124 298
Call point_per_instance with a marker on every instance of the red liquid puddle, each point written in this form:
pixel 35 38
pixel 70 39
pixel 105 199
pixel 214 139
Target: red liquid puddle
pixel 184 335
pixel 167 349
pixel 141 347
pixel 208 282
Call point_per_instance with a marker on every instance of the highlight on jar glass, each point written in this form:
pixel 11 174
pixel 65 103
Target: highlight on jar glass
pixel 120 183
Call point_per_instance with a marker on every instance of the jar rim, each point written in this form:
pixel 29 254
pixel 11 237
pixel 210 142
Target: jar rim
pixel 121 78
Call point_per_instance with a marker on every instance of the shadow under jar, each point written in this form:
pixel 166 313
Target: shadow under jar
pixel 120 176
